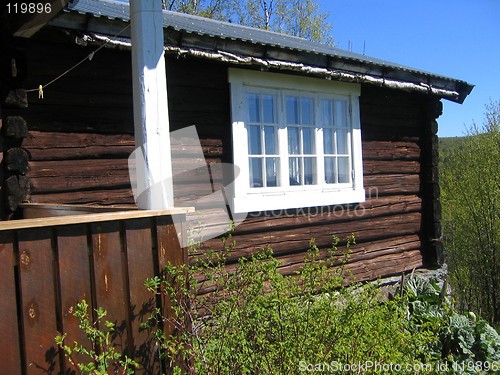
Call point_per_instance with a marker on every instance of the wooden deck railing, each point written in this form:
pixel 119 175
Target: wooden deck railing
pixel 49 264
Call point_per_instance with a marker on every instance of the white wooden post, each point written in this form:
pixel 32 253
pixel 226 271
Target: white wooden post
pixel 151 123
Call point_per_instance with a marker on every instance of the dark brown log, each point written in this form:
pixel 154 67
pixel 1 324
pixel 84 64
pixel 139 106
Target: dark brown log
pixel 360 258
pixel 374 207
pixel 17 99
pixel 15 127
pixel 386 150
pixel 73 175
pixel 285 241
pixel 392 184
pixel 16 160
pixel 100 197
pixel 65 146
pixel 371 167
pixel 17 190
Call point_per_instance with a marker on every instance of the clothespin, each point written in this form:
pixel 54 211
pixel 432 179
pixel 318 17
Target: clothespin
pixel 91 56
pixel 40 92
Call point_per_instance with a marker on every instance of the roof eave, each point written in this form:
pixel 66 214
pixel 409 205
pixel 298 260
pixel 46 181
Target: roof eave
pixel 450 89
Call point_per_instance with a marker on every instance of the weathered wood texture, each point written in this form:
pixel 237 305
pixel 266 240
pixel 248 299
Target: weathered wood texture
pixel 47 271
pixel 81 132
pixel 389 227
pixel 89 165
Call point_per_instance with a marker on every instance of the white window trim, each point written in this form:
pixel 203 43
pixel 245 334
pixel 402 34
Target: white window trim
pixel 246 199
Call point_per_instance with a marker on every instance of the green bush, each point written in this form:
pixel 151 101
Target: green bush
pixel 100 356
pixel 470 192
pixel 250 319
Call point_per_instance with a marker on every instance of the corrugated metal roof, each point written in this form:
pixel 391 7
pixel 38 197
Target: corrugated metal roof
pixel 225 30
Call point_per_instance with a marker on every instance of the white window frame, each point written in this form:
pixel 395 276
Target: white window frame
pixel 248 199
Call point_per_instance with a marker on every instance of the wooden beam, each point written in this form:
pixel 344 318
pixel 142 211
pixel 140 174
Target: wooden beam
pixel 89 218
pixel 154 187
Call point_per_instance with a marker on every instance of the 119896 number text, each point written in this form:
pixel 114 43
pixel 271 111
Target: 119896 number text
pixel 29 8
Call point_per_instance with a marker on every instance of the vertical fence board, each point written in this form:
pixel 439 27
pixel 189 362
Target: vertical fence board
pixel 39 316
pixel 10 356
pixel 74 276
pixel 169 251
pixel 109 273
pixel 142 303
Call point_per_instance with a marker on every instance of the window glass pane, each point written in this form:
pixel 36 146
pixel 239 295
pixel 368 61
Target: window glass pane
pixel 330 170
pixel 342 145
pixel 341 113
pixel 272 171
pixel 255 172
pixel 310 171
pixel 326 112
pixel 268 104
pixel 253 103
pixel 293 141
pixel 343 168
pixel 308 140
pixel 254 140
pixel 292 110
pixel 271 140
pixel 295 170
pixel 328 141
pixel 307 107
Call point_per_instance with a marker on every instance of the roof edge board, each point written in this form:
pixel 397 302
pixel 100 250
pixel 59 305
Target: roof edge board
pixel 434 83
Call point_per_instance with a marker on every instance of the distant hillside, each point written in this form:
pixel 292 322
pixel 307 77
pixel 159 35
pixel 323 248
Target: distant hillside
pixel 447 144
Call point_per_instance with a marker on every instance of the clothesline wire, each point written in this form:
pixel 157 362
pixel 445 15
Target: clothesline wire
pixel 88 57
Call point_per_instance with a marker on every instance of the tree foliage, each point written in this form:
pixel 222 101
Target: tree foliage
pixel 470 182
pixel 301 18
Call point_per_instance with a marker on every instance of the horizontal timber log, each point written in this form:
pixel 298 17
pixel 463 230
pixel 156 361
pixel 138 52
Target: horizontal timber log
pixel 392 184
pixel 64 146
pixel 294 240
pixel 374 207
pixel 362 253
pixel 387 265
pixel 73 175
pixel 371 167
pixel 386 150
pixel 100 197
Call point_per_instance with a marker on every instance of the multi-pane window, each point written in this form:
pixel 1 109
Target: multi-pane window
pixel 336 140
pixel 296 141
pixel 262 129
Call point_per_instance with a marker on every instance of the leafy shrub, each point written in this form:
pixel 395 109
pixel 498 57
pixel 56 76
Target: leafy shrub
pixel 250 319
pixel 102 355
pixel 470 192
pixel 462 339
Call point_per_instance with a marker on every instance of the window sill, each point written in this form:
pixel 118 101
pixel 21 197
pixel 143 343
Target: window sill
pixel 266 201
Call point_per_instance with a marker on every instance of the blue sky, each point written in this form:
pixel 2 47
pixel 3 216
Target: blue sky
pixel 454 38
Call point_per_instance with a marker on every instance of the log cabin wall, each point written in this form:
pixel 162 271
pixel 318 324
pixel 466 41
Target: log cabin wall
pixel 81 136
pixel 14 187
pixel 390 227
pixel 81 132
